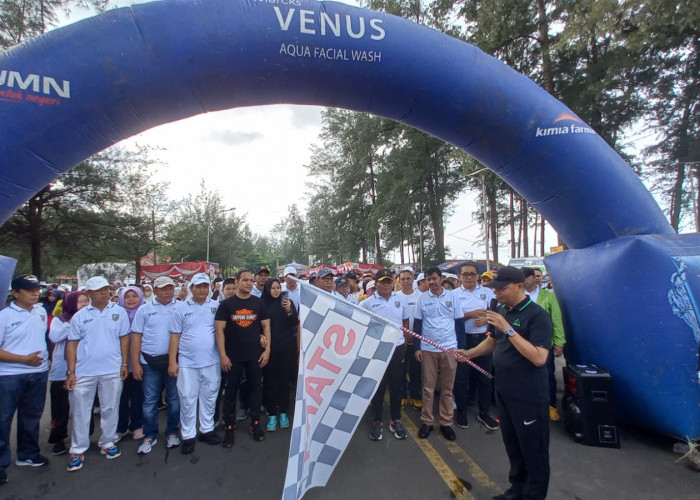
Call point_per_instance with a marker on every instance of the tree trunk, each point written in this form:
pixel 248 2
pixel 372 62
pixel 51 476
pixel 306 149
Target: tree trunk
pixel 35 213
pixel 373 196
pixel 378 249
pixel 543 25
pixel 137 266
pixel 524 224
pixel 492 219
pixel 435 212
pixel 534 233
pixel 677 197
pixel 542 228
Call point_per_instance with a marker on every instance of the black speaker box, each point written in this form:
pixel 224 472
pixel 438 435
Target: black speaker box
pixel 588 406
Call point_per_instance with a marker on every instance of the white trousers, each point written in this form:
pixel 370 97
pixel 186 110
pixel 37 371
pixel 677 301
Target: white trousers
pixel 193 385
pixel 109 388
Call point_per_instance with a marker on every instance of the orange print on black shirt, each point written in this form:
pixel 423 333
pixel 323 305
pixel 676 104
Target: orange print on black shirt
pixel 244 317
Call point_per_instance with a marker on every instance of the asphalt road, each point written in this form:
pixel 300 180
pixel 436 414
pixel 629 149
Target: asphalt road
pixel 475 466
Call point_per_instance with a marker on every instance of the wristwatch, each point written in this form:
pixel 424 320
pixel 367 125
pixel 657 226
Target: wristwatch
pixel 70 372
pixel 509 332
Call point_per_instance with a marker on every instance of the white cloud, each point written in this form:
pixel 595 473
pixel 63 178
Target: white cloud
pixel 233 137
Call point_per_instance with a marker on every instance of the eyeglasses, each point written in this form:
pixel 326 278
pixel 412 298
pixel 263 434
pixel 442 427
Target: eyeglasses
pixel 469 275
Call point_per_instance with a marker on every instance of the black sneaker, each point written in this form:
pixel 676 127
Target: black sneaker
pixel 509 494
pixel 162 405
pixel 398 429
pixel 488 422
pixel 375 432
pixel 448 432
pixel 256 431
pixel 59 448
pixel 425 431
pixel 37 461
pixel 187 446
pixel 229 436
pixel 462 420
pixel 3 477
pixel 210 438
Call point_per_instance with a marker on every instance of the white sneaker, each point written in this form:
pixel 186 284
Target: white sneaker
pixel 173 441
pixel 120 436
pixel 147 446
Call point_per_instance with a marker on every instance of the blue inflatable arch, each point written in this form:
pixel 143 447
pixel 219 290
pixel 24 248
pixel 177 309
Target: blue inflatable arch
pixel 627 286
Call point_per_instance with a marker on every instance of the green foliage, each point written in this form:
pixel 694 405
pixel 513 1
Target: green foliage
pixel 101 210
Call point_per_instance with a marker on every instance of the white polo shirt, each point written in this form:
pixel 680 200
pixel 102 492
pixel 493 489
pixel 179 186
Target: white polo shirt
pixel 293 295
pixel 152 321
pixel 394 309
pixel 411 301
pixel 534 294
pixel 99 350
pixel 23 332
pixel 256 291
pixel 195 324
pixel 58 334
pixel 472 300
pixel 439 314
pixel 350 298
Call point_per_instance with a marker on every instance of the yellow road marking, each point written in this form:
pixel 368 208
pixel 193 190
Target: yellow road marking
pixel 474 470
pixel 452 481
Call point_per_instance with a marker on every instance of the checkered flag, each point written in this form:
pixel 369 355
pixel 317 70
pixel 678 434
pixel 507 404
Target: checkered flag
pixel 344 353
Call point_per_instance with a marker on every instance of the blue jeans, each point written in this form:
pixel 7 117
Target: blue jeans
pixel 153 381
pixel 25 394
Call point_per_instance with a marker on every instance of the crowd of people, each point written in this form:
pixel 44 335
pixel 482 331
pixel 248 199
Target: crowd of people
pixel 216 354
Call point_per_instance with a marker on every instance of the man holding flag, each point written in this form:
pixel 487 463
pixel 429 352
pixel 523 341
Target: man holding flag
pixel 386 303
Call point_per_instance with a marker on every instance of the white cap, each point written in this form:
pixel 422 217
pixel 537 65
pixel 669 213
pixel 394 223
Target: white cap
pixel 162 281
pixel 200 278
pixel 290 270
pixel 370 284
pixel 450 275
pixel 96 282
pixel 420 277
pixel 409 268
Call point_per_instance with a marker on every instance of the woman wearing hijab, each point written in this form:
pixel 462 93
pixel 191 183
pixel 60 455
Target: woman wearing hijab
pixel 131 402
pixel 148 293
pixel 58 334
pixel 279 372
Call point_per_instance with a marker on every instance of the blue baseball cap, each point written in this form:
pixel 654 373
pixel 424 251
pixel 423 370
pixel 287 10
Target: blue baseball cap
pixel 25 282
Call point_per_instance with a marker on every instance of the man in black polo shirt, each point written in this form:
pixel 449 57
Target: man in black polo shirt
pixel 520 346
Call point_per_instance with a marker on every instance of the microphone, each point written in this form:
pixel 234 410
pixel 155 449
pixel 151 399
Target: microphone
pixel 491 330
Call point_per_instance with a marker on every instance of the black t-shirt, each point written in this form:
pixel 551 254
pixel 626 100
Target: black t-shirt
pixel 516 376
pixel 243 327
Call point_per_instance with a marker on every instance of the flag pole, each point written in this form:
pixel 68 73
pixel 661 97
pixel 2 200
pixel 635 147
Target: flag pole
pixel 406 330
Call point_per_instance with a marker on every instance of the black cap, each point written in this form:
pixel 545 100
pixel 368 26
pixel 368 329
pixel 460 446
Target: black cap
pixel 25 282
pixel 505 276
pixel 261 269
pixel 351 276
pixel 383 274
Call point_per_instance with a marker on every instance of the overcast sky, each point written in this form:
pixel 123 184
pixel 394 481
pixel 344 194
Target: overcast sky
pixel 246 152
